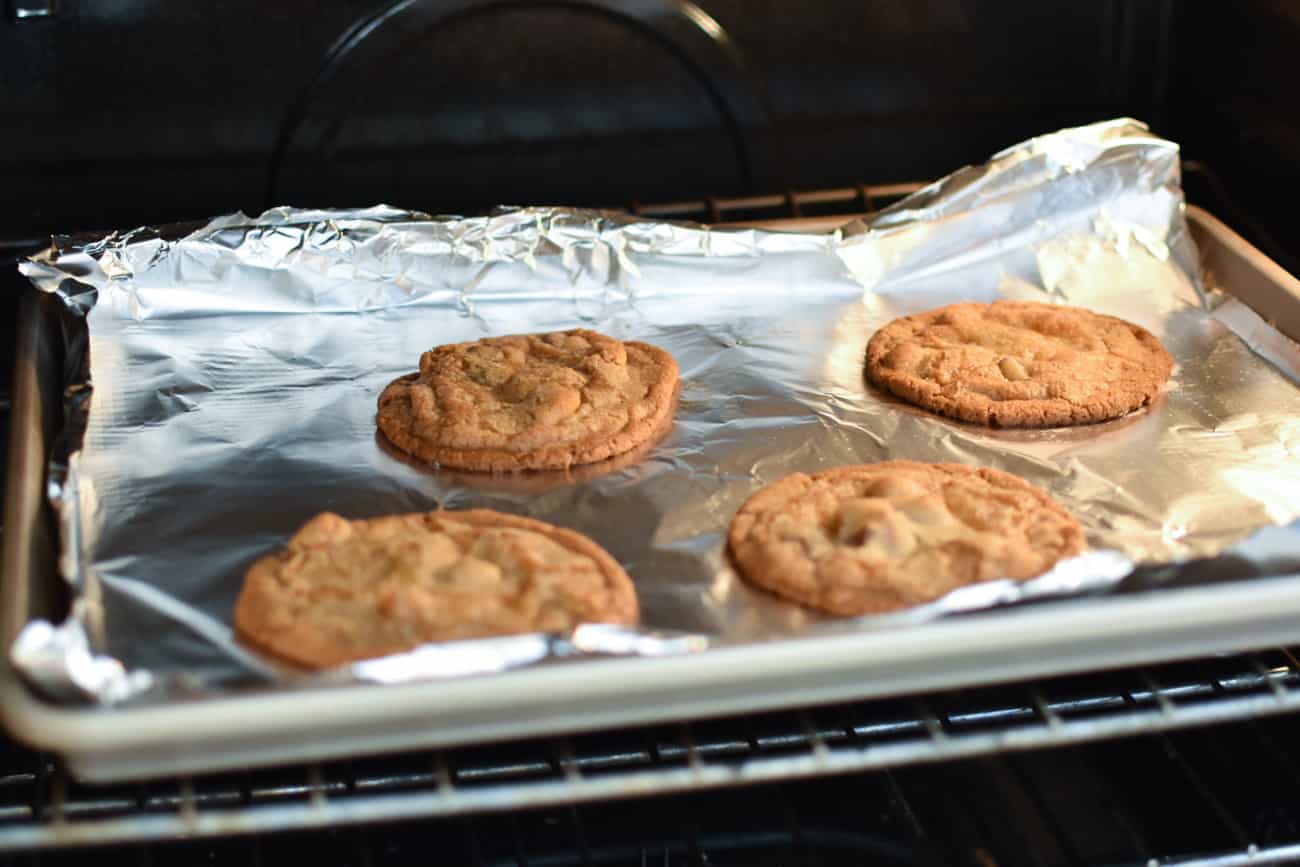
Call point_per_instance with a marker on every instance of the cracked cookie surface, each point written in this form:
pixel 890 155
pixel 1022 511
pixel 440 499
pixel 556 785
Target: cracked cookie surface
pixel 343 591
pixel 878 537
pixel 1019 363
pixel 530 401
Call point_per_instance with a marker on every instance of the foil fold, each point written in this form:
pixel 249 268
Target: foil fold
pixel 234 367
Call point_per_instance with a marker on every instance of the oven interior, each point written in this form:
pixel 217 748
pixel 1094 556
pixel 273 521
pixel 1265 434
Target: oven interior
pixel 133 112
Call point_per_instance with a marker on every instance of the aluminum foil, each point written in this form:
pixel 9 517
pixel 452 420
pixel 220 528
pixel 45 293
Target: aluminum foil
pixel 235 370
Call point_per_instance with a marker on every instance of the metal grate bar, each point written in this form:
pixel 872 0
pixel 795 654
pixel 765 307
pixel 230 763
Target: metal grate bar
pixel 562 752
pixel 1163 699
pixel 844 201
pixel 697 849
pixel 899 804
pixel 816 740
pixel 1250 856
pixel 1041 807
pixel 690 763
pixel 691 826
pixel 1196 783
pixel 580 836
pixel 933 725
pixel 517 841
pixel 1275 752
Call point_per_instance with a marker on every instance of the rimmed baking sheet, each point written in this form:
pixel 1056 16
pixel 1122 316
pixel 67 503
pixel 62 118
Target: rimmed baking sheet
pixel 248 354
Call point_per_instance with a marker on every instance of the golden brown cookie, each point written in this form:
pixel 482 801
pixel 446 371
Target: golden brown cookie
pixel 1019 363
pixel 343 590
pixel 877 537
pixel 530 401
pixel 533 482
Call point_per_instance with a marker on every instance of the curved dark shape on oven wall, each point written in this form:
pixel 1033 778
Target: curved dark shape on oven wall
pixel 139 112
pixel 309 136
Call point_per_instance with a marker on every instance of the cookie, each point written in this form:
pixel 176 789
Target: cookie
pixel 878 537
pixel 534 483
pixel 1019 363
pixel 342 591
pixel 530 402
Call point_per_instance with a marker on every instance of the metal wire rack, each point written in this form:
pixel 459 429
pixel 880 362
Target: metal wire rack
pixel 840 204
pixel 41 806
pixel 903 761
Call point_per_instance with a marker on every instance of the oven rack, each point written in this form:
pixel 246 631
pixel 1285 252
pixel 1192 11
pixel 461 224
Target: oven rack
pixel 42 807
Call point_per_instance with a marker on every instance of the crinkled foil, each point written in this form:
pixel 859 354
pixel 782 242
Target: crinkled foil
pixel 235 371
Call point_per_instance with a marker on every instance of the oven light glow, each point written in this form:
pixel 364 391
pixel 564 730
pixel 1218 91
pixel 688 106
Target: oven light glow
pixel 702 20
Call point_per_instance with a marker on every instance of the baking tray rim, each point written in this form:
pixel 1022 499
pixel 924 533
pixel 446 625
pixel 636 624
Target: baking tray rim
pixel 262 728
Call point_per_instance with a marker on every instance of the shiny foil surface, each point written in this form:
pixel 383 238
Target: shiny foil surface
pixel 235 371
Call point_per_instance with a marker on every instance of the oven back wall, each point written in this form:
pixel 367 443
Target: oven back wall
pixel 137 111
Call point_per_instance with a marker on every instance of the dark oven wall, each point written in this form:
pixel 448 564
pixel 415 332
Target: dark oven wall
pixel 136 111
pixel 1233 103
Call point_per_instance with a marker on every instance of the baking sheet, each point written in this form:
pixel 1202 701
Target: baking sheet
pixel 235 372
